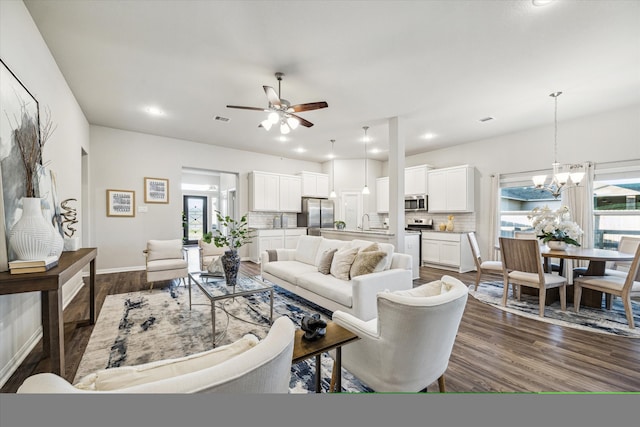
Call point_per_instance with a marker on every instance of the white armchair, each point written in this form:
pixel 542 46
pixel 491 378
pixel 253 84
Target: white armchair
pixel 165 260
pixel 407 347
pixel 207 252
pixel 245 366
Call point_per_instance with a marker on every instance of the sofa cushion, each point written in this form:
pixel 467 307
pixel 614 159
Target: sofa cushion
pixel 327 244
pixel 288 270
pixel 386 247
pixel 327 286
pixel 366 262
pixel 307 249
pixel 324 265
pixel 166 264
pixel 128 376
pixel 164 249
pixel 342 261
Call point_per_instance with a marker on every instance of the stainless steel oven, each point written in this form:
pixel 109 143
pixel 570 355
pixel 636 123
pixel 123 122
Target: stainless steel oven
pixel 417 202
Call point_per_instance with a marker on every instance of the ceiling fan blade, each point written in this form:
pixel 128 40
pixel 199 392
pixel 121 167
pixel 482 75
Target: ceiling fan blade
pixel 247 108
pixel 307 107
pixel 303 122
pixel 273 97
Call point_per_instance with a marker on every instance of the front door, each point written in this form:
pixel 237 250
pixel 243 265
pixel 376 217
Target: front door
pixel 195 211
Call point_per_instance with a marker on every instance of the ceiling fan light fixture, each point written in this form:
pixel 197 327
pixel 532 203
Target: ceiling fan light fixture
pixel 273 117
pixel 284 128
pixel 293 122
pixel 266 123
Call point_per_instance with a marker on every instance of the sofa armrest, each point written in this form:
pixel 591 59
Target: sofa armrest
pixel 359 327
pixel 366 287
pixel 48 383
pixel 400 260
pixel 283 255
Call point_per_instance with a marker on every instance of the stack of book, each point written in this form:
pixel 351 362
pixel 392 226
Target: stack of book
pixel 32 266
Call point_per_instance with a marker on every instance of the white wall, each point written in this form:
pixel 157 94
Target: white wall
pixel 607 137
pixel 120 160
pixel 26 54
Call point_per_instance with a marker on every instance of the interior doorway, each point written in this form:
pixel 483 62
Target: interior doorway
pixel 351 208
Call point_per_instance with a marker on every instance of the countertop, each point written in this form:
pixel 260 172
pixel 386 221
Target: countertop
pixel 281 228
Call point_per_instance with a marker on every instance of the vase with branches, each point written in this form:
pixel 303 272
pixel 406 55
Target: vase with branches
pixel 232 234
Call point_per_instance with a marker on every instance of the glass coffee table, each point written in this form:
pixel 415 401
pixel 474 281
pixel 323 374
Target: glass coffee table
pixel 215 288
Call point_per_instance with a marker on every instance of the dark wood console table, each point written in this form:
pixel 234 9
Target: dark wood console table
pixel 49 284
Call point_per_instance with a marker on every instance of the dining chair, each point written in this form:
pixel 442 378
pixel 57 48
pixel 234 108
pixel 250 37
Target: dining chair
pixel 627 245
pixel 522 265
pixel 483 267
pixel 531 235
pixel 623 287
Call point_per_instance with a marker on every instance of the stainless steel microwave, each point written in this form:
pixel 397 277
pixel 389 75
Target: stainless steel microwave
pixel 416 203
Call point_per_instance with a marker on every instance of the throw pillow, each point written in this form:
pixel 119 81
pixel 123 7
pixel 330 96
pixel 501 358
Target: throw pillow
pixel 366 262
pixel 341 264
pixel 371 248
pixel 324 266
pixel 215 267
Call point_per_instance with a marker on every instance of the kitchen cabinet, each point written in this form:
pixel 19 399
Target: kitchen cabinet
pixel 277 238
pixel 451 189
pixel 272 192
pixel 446 250
pixel 382 194
pixel 416 179
pixel 314 184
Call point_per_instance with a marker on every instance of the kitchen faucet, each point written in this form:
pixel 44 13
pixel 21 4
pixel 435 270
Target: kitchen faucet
pixel 367 215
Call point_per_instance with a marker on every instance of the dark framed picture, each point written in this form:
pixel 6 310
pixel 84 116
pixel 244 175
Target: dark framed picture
pixel 19 112
pixel 156 190
pixel 121 203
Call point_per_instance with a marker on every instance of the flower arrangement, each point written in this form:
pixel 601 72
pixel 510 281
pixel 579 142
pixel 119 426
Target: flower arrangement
pixel 237 232
pixel 555 225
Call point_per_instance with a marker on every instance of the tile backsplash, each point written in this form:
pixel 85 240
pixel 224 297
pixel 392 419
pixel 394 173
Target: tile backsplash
pixel 265 219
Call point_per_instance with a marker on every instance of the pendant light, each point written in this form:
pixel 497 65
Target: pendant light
pixel 333 195
pixel 365 190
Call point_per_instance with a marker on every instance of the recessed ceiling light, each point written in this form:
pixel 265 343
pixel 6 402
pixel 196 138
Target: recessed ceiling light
pixel 154 111
pixel 300 150
pixel 541 2
pixel 429 135
pixel 331 156
pixel 374 150
pixel 282 138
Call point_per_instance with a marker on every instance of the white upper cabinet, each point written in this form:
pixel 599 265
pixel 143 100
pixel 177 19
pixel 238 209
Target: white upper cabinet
pixel 314 184
pixel 382 194
pixel 272 192
pixel 415 179
pixel 451 189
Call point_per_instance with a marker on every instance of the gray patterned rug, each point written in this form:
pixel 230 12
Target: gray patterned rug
pixel 605 321
pixel 140 327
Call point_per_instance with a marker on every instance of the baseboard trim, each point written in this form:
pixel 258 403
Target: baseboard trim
pixel 20 356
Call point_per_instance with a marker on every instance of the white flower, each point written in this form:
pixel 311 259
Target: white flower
pixel 550 225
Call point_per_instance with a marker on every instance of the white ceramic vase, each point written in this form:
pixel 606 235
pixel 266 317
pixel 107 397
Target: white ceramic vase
pixel 557 245
pixel 31 237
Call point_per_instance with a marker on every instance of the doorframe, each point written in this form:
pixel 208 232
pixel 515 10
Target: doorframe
pixel 205 220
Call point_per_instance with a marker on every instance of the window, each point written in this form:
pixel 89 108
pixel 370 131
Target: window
pixel 516 204
pixel 616 208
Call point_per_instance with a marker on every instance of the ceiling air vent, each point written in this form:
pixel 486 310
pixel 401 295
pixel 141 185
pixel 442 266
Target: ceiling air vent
pixel 221 119
pixel 486 119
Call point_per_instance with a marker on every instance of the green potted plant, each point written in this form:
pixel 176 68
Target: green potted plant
pixel 340 225
pixel 235 235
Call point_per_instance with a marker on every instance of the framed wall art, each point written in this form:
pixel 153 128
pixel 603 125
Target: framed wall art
pixel 156 190
pixel 121 203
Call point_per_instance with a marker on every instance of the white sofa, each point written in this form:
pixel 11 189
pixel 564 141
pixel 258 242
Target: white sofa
pixel 245 366
pixel 296 270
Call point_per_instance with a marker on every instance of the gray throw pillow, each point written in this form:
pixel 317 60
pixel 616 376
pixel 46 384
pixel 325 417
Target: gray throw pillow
pixel 366 262
pixel 324 266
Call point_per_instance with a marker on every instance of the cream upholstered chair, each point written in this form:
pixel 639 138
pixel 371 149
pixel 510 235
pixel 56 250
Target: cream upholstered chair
pixel 407 347
pixel 207 252
pixel 627 245
pixel 165 260
pixel 522 264
pixel 245 366
pixel 624 287
pixel 482 267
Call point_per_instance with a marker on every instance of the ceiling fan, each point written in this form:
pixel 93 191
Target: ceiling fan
pixel 281 111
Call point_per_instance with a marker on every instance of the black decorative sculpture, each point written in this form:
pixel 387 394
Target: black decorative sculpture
pixel 314 328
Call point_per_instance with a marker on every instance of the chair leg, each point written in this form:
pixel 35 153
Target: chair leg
pixel 542 299
pixel 563 297
pixel 577 295
pixel 505 292
pixel 628 311
pixel 478 274
pixel 441 385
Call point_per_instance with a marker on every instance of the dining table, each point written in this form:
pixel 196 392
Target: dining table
pixel 597 258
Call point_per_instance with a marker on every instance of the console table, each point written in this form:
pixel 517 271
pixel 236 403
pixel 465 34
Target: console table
pixel 49 284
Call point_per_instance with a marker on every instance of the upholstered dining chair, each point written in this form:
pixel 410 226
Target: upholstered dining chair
pixel 610 285
pixel 522 265
pixel 165 260
pixel 627 245
pixel 482 267
pixel 407 347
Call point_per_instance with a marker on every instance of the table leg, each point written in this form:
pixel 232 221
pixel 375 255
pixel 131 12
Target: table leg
pixel 591 298
pixel 338 369
pixel 44 315
pixel 213 323
pixel 56 332
pixel 190 292
pixel 318 372
pixel 271 314
pixel 92 292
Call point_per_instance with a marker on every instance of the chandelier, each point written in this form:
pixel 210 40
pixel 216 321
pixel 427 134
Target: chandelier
pixel 333 194
pixel 563 174
pixel 365 190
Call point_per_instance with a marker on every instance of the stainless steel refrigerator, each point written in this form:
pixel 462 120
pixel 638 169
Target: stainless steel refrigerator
pixel 316 214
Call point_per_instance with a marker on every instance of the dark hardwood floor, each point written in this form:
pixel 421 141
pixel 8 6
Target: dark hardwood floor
pixel 494 351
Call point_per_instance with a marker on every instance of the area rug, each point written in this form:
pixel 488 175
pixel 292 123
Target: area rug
pixel 141 327
pixel 604 321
